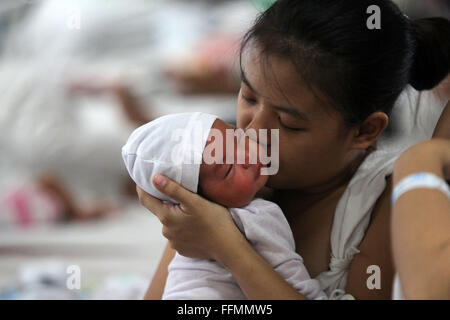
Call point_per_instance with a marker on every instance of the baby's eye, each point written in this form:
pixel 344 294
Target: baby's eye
pixel 229 170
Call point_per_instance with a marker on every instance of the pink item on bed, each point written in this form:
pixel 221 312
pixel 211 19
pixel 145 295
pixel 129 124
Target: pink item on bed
pixel 25 206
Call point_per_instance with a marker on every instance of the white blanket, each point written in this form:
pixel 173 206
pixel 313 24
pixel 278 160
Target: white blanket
pixel 265 227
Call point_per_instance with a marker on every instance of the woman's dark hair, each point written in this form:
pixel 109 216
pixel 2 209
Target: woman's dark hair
pixel 359 70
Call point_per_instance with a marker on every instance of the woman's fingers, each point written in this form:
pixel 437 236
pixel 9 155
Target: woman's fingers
pixel 156 206
pixel 174 191
pixel 164 212
pixel 151 203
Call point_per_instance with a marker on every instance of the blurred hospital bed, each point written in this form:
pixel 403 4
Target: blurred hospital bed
pixel 42 128
pixel 128 245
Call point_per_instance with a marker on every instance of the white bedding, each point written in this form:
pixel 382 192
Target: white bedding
pixel 129 244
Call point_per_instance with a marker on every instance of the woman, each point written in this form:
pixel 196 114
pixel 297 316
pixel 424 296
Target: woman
pixel 313 70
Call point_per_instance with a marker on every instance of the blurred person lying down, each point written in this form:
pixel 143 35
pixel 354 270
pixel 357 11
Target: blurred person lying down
pixel 151 150
pixel 46 196
pixel 47 200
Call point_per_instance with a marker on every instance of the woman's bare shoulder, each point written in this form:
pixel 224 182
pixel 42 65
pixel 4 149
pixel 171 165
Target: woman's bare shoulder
pixel 375 250
pixel 382 209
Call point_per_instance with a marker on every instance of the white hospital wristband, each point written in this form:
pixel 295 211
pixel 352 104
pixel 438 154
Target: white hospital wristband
pixel 420 180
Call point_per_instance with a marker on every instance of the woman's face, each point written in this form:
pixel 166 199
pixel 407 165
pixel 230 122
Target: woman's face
pixel 314 143
pixel 232 185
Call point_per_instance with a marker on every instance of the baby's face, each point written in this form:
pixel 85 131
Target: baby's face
pixel 232 185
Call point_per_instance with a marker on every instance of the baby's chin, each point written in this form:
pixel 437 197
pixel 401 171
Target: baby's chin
pixel 241 196
pixel 242 201
pixel 244 198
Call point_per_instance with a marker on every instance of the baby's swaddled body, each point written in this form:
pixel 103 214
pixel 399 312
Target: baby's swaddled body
pixel 150 151
pixel 265 227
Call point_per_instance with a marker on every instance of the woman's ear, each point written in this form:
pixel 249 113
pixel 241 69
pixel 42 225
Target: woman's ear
pixel 368 132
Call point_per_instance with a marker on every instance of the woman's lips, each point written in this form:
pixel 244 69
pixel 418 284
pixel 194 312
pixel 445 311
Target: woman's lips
pixel 257 169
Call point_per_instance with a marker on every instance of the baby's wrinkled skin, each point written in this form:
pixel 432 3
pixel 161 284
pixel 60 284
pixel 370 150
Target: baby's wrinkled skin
pixel 232 185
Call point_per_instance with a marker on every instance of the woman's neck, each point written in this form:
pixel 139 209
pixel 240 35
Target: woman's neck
pixel 306 197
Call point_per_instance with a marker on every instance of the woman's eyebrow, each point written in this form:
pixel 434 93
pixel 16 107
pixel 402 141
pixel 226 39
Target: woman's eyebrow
pixel 247 83
pixel 293 112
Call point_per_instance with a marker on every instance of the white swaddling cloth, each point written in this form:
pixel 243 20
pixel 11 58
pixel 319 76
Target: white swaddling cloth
pixel 150 151
pixel 266 228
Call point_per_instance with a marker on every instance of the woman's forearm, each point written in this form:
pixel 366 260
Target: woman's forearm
pixel 256 278
pixel 158 283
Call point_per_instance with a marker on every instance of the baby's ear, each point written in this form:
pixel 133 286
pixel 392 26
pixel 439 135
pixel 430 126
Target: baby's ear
pixel 369 131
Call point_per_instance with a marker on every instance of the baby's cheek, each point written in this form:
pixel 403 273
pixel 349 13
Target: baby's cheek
pixel 244 185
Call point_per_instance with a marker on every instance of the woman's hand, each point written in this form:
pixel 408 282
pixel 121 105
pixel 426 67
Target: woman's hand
pixel 196 228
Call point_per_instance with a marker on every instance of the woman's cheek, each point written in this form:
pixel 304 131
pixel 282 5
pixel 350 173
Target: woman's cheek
pixel 244 117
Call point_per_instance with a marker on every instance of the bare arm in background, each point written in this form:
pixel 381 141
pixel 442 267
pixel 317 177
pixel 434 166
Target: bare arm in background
pixel 420 224
pixel 135 113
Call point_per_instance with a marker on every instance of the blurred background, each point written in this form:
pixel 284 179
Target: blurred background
pixel 76 78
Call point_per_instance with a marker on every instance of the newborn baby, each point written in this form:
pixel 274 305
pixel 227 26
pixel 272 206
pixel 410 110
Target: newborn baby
pixel 177 146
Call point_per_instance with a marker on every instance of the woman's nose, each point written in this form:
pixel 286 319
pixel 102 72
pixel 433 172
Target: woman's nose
pixel 251 153
pixel 262 119
pixel 246 164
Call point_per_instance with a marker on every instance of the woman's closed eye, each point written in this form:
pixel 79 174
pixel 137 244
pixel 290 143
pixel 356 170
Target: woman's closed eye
pixel 252 101
pixel 288 127
pixel 248 99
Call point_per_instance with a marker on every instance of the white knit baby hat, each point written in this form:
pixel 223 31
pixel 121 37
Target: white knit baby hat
pixel 171 145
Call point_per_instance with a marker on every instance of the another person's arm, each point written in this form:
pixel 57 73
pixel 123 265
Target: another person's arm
pixel 131 106
pixel 421 224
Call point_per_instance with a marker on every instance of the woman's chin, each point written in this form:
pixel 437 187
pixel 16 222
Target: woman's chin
pixel 276 182
pixel 272 182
